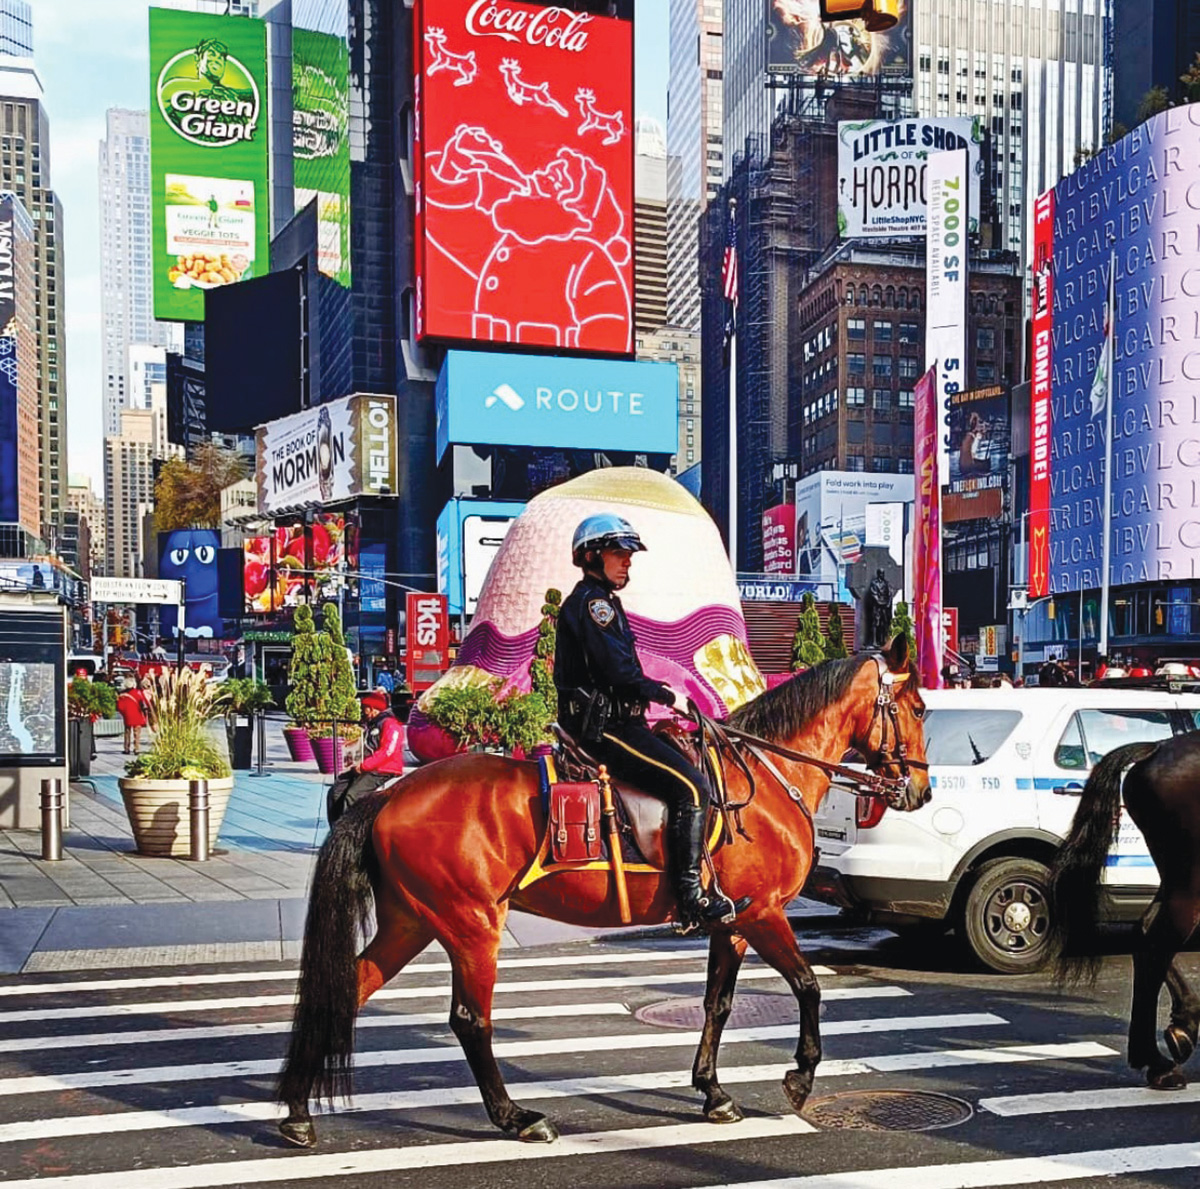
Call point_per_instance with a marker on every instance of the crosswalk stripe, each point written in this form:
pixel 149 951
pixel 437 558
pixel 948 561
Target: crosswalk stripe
pixel 410 1100
pixel 561 1046
pixel 698 954
pixel 95 1011
pixel 24 1044
pixel 422 1156
pixel 977 1174
pixel 1116 1098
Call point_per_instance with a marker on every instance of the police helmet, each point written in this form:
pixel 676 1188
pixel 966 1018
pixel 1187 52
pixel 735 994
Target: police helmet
pixel 605 530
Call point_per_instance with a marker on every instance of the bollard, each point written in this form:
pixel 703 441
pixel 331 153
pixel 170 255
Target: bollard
pixel 52 811
pixel 261 726
pixel 198 812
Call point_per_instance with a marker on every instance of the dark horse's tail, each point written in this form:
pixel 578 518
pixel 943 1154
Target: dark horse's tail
pixel 1075 881
pixel 319 1056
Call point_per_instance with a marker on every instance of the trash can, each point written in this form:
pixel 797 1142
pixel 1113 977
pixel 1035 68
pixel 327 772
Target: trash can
pixel 79 747
pixel 242 756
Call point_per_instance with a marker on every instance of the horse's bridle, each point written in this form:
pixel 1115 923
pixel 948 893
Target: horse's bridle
pixel 872 783
pixel 887 714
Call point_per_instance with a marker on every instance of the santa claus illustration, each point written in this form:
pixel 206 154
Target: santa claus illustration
pixel 535 258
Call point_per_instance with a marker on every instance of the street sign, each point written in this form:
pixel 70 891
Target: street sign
pixel 136 590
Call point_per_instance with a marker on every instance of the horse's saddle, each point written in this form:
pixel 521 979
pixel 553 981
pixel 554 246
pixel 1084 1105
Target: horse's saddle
pixel 642 818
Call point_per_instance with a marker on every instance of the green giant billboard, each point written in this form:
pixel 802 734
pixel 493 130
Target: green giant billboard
pixel 321 144
pixel 209 156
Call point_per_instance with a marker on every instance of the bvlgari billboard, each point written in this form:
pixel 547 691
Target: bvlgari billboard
pixel 524 175
pixel 331 452
pixel 1134 208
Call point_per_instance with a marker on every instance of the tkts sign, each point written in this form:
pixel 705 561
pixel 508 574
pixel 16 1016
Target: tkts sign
pixel 524 161
pixel 427 628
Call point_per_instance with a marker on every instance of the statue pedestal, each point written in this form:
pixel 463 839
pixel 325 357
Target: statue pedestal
pixel 859 576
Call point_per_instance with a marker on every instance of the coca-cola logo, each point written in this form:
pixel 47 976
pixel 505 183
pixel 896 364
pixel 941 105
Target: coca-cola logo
pixel 554 28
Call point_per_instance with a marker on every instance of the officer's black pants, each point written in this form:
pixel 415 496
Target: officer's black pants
pixel 636 755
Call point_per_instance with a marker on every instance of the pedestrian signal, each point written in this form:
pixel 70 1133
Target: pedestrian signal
pixel 877 15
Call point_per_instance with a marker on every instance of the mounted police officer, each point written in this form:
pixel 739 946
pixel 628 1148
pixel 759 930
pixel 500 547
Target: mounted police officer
pixel 602 698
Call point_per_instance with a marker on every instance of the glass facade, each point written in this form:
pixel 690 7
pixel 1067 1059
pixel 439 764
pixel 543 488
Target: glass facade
pixel 748 103
pixel 1034 72
pixel 16 28
pixel 695 139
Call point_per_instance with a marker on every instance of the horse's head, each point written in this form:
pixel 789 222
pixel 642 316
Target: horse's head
pixel 889 730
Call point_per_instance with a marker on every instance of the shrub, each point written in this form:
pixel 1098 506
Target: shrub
pixel 91 699
pixel 541 668
pixel 835 640
pixel 808 644
pixel 476 716
pixel 902 624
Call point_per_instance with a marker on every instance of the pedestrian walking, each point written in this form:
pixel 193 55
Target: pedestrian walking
pixel 131 706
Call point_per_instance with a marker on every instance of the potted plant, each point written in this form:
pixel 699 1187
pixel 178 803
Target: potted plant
pixel 242 698
pixel 182 706
pixel 86 702
pixel 336 712
pixel 301 702
pixel 478 718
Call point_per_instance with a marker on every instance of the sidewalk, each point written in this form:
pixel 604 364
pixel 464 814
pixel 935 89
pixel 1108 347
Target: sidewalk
pixel 104 906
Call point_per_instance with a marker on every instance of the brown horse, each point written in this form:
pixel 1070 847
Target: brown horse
pixel 444 854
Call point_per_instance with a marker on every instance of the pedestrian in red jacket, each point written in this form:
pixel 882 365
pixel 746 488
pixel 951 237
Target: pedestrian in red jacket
pixel 383 758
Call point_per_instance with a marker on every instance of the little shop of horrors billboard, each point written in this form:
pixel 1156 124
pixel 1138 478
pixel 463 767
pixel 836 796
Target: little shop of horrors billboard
pixel 1133 210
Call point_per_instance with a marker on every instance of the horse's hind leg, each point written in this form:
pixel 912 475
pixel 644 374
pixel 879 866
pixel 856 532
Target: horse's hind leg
pixel 773 939
pixel 473 953
pixel 725 954
pixel 1167 926
pixel 1181 1032
pixel 399 937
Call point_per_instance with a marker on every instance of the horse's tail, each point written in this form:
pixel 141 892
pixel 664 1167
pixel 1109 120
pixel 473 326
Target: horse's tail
pixel 321 1049
pixel 1075 880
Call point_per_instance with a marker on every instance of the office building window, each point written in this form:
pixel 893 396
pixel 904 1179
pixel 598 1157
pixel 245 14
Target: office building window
pixel 881 367
pixel 856 397
pixel 883 332
pixel 909 369
pixel 856 462
pixel 881 399
pixel 856 328
pixel 856 362
pixel 880 464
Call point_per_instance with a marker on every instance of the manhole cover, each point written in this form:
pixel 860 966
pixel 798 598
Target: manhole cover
pixel 887 1110
pixel 748 1010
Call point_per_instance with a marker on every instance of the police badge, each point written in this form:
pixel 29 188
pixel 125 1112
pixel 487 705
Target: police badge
pixel 602 612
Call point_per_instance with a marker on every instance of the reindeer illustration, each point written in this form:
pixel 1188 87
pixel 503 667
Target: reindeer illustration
pixel 461 64
pixel 521 92
pixel 613 126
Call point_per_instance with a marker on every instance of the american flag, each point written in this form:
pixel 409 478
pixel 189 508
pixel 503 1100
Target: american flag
pixel 729 266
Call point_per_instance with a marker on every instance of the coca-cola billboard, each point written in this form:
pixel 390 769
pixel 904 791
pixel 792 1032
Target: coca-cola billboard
pixel 524 176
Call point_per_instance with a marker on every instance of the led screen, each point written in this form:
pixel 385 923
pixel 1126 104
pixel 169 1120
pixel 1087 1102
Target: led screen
pixel 525 175
pixel 1131 208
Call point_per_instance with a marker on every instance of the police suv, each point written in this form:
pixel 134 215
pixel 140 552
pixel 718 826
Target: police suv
pixel 1006 768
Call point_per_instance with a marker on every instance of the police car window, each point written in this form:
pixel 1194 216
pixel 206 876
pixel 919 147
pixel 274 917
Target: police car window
pixel 1069 753
pixel 964 738
pixel 1104 730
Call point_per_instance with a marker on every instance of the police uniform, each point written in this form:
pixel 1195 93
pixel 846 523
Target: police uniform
pixel 595 652
pixel 602 700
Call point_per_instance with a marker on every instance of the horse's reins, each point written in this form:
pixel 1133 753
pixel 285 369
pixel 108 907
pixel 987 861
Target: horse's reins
pixel 869 784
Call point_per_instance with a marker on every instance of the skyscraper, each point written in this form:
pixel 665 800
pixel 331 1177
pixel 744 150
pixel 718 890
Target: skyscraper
pixel 25 170
pixel 1159 40
pixel 16 29
pixel 1034 73
pixel 650 226
pixel 695 137
pixel 126 259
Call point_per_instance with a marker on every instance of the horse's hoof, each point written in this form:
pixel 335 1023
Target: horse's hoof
pixel 1179 1044
pixel 725 1111
pixel 540 1131
pixel 1170 1078
pixel 300 1132
pixel 797 1087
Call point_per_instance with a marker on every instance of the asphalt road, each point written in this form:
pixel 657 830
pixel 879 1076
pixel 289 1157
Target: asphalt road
pixel 161 1079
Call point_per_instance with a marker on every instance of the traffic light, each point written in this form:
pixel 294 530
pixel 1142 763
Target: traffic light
pixel 877 15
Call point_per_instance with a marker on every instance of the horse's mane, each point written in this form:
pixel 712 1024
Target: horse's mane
pixel 782 712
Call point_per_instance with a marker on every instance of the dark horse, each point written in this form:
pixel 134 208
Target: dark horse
pixel 1160 792
pixel 444 853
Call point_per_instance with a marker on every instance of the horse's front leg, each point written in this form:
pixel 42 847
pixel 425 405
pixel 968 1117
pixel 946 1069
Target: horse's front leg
pixel 773 940
pixel 725 953
pixel 473 953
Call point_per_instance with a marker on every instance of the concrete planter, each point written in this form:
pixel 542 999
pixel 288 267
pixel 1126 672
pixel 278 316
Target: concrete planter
pixel 158 813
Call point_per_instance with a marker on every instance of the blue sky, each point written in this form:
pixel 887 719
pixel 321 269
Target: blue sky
pixel 93 55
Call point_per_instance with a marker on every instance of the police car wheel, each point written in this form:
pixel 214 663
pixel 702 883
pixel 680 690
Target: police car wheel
pixel 1006 916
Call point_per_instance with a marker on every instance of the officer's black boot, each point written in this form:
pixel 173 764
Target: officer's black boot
pixel 696 908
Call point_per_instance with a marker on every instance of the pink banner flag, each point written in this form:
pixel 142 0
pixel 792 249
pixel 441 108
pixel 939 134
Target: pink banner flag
pixel 927 560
